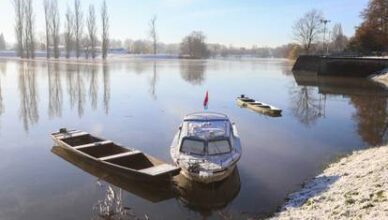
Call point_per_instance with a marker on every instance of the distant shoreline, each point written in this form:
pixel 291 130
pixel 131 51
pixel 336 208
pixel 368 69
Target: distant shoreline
pixel 354 187
pixel 127 57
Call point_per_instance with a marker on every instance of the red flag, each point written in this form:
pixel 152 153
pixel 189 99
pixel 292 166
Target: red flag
pixel 206 100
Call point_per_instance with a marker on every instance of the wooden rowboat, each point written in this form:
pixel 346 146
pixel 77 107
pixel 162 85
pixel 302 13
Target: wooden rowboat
pixel 154 191
pixel 257 106
pixel 128 161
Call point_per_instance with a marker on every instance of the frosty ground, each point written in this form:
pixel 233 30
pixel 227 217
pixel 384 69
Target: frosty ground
pixel 353 188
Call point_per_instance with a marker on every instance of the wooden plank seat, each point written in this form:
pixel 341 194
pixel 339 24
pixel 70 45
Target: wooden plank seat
pixel 133 152
pixel 99 143
pixel 158 169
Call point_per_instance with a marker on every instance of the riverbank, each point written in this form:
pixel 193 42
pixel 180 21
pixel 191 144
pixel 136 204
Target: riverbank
pixel 340 66
pixel 356 187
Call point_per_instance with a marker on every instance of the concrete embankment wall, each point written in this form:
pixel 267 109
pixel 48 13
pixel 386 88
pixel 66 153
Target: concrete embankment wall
pixel 340 66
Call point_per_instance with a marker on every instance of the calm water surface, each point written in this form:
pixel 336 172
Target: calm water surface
pixel 141 104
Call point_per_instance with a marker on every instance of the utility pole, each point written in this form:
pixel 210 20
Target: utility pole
pixel 324 21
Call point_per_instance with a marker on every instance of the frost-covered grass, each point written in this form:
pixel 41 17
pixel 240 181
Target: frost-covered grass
pixel 355 187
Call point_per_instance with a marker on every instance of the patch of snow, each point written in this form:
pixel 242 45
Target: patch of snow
pixel 356 187
pixel 382 77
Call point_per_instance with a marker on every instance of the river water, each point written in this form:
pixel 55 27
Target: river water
pixel 141 104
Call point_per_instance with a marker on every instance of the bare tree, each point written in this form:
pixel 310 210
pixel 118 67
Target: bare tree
pixel 92 31
pixel 54 18
pixel 307 29
pixel 29 29
pixel 19 26
pixel 105 30
pixel 194 45
pixel 339 40
pixel 46 6
pixel 153 33
pixel 69 31
pixel 78 26
pixel 85 42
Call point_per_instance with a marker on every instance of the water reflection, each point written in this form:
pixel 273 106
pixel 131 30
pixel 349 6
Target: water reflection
pixel 79 91
pixel 372 118
pixel 208 198
pixel 3 70
pixel 106 81
pixel 153 81
pixel 193 73
pixel 279 153
pixel 205 199
pixel 111 206
pixel 28 94
pixel 81 80
pixel 3 67
pixel 93 86
pixel 55 90
pixel 368 98
pixel 1 99
pixel 307 105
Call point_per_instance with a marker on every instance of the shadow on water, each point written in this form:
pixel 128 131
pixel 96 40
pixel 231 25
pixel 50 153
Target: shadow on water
pixel 308 102
pixel 199 197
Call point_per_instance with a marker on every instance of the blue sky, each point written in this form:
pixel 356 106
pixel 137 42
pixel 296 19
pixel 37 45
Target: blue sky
pixel 238 22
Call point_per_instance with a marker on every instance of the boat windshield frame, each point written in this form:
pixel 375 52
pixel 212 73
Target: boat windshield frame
pixel 206 145
pixel 193 139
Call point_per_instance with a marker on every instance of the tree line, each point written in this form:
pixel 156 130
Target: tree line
pixel 75 40
pixel 371 37
pixel 311 33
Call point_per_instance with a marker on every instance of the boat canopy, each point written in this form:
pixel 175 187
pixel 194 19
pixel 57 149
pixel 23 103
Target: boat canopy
pixel 206 126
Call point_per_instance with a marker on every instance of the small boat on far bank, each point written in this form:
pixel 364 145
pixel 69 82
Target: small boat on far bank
pixel 128 161
pixel 244 101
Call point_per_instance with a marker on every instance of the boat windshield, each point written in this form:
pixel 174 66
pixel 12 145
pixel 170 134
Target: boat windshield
pixel 191 146
pixel 218 147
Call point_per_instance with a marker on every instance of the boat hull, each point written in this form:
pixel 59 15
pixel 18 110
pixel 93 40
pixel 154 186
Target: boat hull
pixel 135 174
pixel 215 177
pixel 263 109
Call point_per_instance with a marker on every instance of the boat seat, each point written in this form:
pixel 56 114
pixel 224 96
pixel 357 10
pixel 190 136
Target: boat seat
pixel 159 169
pixel 92 144
pixel 133 152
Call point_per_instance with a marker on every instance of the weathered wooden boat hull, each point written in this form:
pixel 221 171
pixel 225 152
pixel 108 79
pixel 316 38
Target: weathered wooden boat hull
pixel 154 191
pixel 130 162
pixel 259 107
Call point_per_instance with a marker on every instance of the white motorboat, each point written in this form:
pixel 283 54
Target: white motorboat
pixel 206 147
